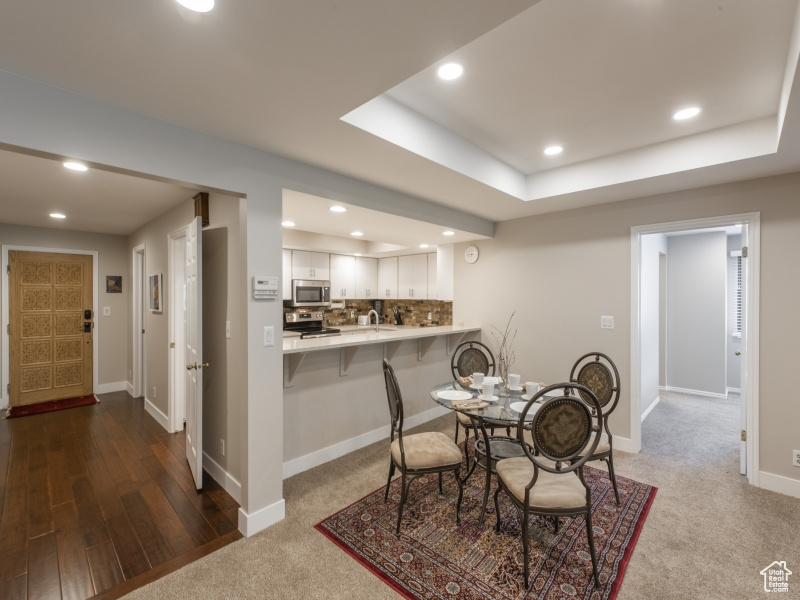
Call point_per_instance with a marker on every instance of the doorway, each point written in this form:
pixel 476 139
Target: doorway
pixel 137 376
pixel 50 327
pixel 749 329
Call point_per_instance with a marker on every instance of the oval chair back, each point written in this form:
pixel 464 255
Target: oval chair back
pixel 395 399
pixel 563 429
pixel 598 372
pixel 472 357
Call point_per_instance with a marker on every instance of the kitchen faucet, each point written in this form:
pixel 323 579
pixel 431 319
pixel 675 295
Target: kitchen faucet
pixel 377 320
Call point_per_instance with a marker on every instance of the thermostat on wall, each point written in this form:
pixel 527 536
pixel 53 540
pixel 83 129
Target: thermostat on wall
pixel 265 287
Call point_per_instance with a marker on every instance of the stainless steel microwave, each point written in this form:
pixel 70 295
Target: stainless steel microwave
pixel 306 292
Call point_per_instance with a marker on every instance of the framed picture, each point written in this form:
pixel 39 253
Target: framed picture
pixel 156 295
pixel 113 284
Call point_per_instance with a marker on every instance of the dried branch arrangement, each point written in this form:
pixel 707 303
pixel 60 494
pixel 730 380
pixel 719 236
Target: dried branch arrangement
pixel 504 342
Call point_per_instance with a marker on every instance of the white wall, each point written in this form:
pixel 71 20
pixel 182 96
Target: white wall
pixel 568 268
pixel 653 246
pixel 696 312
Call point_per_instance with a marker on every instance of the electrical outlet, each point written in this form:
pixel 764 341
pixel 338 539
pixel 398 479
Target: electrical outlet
pixel 222 447
pixel 130 374
pixel 352 314
pixel 796 458
pixel 154 392
pixel 461 323
pixel 430 316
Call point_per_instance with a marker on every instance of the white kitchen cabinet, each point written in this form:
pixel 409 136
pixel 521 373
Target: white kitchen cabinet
pixel 287 274
pixel 444 272
pixel 412 277
pixel 343 276
pixel 366 278
pixel 310 265
pixel 432 291
pixel 387 277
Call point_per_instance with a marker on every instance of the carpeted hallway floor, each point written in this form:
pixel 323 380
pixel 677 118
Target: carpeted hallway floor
pixel 708 534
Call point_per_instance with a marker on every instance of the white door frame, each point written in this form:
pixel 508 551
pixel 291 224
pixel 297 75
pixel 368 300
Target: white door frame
pixel 5 316
pixel 137 338
pixel 750 337
pixel 177 321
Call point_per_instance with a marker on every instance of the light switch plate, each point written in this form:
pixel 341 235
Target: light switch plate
pixel 106 311
pixel 606 322
pixel 269 335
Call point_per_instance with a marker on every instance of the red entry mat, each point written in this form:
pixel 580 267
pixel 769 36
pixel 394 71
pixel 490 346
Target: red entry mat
pixel 43 407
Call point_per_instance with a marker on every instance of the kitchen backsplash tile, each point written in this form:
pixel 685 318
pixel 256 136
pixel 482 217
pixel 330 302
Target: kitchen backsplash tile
pixel 413 312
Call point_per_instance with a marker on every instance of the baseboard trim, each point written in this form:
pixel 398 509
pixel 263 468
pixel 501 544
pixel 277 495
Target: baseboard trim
pixel 314 459
pixel 129 387
pixel 696 392
pixel 650 408
pixel 105 388
pixel 222 477
pixel 624 445
pixel 778 483
pixel 153 411
pixel 250 524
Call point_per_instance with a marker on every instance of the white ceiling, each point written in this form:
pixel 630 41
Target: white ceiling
pixel 600 78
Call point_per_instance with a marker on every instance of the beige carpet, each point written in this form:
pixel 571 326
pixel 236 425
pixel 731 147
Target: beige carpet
pixel 707 536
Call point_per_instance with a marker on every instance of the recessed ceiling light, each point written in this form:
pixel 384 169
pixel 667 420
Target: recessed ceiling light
pixel 448 233
pixel 553 150
pixel 686 113
pixel 338 208
pixel 197 5
pixel 76 166
pixel 58 216
pixel 423 245
pixel 357 233
pixel 288 223
pixel 450 71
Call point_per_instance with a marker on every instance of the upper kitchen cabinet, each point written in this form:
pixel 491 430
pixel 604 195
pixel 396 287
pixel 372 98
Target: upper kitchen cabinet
pixel 432 291
pixel 387 277
pixel 367 278
pixel 343 277
pixel 412 277
pixel 310 265
pixel 287 274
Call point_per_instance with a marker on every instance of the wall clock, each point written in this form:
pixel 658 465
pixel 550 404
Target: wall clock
pixel 471 254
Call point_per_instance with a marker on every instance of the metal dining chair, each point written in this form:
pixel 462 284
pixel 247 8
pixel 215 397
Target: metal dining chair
pixel 549 481
pixel 598 372
pixel 418 454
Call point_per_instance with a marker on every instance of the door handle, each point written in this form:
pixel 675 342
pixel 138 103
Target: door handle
pixel 191 366
pixel 738 353
pixel 206 365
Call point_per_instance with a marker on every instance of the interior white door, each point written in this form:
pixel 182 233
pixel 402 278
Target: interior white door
pixel 194 351
pixel 743 358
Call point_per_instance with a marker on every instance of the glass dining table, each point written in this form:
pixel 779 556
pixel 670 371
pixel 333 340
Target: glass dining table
pixel 500 413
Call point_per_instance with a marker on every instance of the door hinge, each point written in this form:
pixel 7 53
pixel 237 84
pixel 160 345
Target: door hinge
pixel 8 388
pixel 8 268
pixel 142 331
pixel 744 435
pixel 744 251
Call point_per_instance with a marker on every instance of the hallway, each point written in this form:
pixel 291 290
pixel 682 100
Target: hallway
pixel 100 500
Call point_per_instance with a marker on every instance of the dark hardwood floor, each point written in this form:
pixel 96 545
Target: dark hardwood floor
pixel 97 501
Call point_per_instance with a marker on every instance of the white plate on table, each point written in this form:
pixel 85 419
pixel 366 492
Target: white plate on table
pixel 518 388
pixel 488 399
pixel 520 406
pixel 454 395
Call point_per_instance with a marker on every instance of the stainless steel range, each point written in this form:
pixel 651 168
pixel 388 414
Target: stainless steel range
pixel 308 323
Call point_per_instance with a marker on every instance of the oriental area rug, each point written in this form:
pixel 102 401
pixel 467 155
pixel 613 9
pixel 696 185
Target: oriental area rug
pixel 435 558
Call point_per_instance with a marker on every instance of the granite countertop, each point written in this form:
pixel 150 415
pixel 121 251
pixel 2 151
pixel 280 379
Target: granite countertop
pixel 355 335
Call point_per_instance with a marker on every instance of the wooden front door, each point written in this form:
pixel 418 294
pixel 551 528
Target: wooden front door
pixel 50 355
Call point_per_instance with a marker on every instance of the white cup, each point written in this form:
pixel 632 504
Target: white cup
pixel 487 390
pixel 531 387
pixel 477 379
pixel 513 381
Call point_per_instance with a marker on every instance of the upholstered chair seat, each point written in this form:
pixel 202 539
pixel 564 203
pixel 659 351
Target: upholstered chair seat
pixel 464 419
pixel 427 451
pixel 603 445
pixel 552 490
